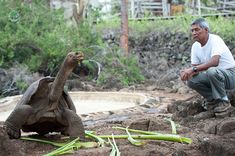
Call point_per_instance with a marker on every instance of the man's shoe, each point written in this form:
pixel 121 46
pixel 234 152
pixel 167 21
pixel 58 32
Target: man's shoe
pixel 222 106
pixel 210 105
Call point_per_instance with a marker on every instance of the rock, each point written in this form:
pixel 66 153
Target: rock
pixel 210 127
pixel 218 146
pixel 172 108
pixel 3 74
pixel 226 126
pixel 185 108
pixel 151 101
pixel 183 90
pixel 179 153
pixel 204 115
pixel 141 124
pixel 6 144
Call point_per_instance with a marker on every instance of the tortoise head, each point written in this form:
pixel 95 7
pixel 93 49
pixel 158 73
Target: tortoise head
pixel 73 58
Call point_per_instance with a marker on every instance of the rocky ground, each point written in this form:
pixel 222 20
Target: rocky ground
pixel 212 136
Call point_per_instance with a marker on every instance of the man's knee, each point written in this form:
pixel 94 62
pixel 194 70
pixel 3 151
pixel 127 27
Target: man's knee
pixel 211 72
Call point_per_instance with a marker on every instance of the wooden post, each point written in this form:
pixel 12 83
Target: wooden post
pixel 194 6
pixel 224 5
pixel 132 8
pixel 199 7
pixel 124 27
pixel 164 8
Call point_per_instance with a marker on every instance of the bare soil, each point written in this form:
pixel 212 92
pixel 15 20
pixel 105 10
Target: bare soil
pixel 211 136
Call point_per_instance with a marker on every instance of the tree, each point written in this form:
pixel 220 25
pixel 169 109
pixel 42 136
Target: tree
pixel 124 27
pixel 78 14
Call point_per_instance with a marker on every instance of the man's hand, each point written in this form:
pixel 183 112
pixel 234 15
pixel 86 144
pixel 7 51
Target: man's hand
pixel 186 74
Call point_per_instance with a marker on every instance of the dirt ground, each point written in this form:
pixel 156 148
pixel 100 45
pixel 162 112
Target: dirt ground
pixel 211 136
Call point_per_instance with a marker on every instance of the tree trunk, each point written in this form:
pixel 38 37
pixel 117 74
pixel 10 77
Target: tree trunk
pixel 124 27
pixel 78 14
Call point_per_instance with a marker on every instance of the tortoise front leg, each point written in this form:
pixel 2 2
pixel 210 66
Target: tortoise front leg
pixel 75 126
pixel 17 118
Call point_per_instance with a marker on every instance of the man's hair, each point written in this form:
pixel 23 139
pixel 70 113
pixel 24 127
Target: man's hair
pixel 202 23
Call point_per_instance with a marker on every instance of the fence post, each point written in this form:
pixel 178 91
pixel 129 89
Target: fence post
pixel 132 8
pixel 199 7
pixel 164 8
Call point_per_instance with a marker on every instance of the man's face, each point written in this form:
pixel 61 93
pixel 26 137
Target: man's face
pixel 198 33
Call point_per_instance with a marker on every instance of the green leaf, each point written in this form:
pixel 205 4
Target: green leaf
pixel 173 126
pixel 165 137
pixel 67 148
pixel 113 151
pixel 101 142
pixel 43 141
pixel 115 145
pixel 136 131
pixel 133 141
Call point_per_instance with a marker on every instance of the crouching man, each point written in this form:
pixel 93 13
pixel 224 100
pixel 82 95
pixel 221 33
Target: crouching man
pixel 213 68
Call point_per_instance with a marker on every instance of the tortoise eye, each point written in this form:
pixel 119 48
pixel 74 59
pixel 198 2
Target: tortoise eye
pixel 76 53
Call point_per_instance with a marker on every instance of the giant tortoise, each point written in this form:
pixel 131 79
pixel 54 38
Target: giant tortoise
pixel 46 107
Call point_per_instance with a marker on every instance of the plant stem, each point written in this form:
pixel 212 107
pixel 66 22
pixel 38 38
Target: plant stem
pixel 165 137
pixel 115 146
pixel 173 126
pixel 43 141
pixel 101 141
pixel 137 131
pixel 133 141
pixel 64 149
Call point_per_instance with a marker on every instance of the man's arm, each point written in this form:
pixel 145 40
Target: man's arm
pixel 213 62
pixel 187 73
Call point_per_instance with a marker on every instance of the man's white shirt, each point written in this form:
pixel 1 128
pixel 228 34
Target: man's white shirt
pixel 214 46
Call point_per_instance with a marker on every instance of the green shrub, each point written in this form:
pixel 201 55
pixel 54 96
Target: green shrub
pixel 121 68
pixel 222 26
pixel 21 85
pixel 37 36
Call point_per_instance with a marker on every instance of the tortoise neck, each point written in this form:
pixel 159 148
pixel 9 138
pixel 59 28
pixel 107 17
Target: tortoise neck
pixel 59 82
